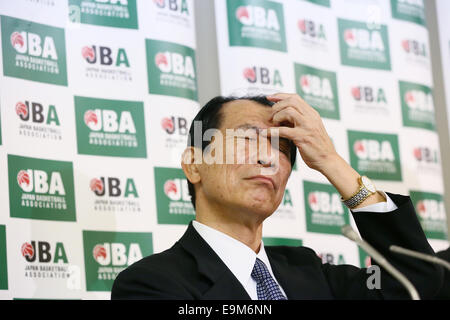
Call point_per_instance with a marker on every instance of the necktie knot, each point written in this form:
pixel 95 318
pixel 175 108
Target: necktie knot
pixel 266 286
pixel 260 271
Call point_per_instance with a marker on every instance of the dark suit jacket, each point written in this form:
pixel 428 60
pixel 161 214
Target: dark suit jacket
pixel 444 294
pixel 192 270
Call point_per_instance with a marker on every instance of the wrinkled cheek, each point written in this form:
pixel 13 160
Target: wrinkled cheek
pixel 241 152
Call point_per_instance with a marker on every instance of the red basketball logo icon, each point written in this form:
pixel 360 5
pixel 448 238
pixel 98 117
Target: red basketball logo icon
pixel 301 25
pixel 21 110
pixel 99 253
pixel 17 40
pixel 405 45
pixel 170 189
pixel 358 148
pixel 27 250
pixel 88 53
pixel 161 60
pixel 304 82
pixel 90 118
pixel 409 98
pixel 249 74
pixel 349 37
pixel 96 185
pixel 23 179
pixel 356 93
pixel 167 124
pixel 242 13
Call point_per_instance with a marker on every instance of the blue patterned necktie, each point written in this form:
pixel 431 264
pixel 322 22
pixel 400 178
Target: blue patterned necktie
pixel 266 287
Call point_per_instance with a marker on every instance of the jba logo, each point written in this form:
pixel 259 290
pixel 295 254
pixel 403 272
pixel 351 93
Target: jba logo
pixel 409 10
pixel 256 23
pixel 376 155
pixel 311 29
pixel 32 44
pixel 38 181
pixel 258 16
pixel 175 124
pixel 117 254
pixel 262 75
pixel 324 210
pixel 330 258
pixel 431 213
pixel 364 47
pixel 417 105
pixel 171 69
pixel 105 56
pixel 431 209
pixel 111 13
pixel 108 253
pixel 414 47
pixel 33 51
pixel 324 202
pixel 180 6
pixel 43 252
pixel 175 63
pixel 173 201
pixel 109 121
pixel 37 113
pixel 111 187
pixel 114 2
pixel 316 86
pixel 425 154
pixel 368 94
pixel 110 127
pixel 177 189
pixel 419 100
pixel 41 189
pixel 287 199
pixel 417 3
pixel 364 39
pixel 286 207
pixel 373 150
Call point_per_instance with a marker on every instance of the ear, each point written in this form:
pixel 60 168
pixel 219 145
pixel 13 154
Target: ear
pixel 190 162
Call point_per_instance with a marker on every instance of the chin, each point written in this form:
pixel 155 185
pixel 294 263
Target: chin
pixel 262 207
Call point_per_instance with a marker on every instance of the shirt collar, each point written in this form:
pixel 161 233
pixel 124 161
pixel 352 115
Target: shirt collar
pixel 237 256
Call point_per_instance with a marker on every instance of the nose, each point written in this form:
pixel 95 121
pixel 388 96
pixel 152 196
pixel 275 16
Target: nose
pixel 267 160
pixel 264 163
pixel 268 154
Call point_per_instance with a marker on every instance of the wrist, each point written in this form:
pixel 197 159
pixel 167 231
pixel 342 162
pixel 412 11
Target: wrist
pixel 336 168
pixel 342 176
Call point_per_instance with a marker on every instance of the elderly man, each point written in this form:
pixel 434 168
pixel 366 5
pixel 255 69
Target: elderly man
pixel 222 256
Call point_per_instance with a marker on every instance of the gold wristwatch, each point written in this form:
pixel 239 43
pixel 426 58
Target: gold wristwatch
pixel 366 189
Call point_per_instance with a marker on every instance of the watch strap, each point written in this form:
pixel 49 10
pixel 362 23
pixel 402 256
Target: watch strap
pixel 361 195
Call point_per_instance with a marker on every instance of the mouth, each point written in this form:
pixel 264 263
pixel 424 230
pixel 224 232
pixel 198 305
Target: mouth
pixel 263 179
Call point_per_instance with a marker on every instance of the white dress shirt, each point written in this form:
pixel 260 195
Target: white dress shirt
pixel 237 256
pixel 240 259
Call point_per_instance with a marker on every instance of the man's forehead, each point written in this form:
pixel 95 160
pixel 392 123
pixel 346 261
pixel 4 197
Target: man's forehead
pixel 246 114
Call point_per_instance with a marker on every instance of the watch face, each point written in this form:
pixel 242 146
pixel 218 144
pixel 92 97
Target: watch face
pixel 368 184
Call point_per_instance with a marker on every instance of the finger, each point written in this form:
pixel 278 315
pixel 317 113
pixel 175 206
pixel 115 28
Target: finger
pixel 281 132
pixel 288 114
pixel 283 96
pixel 283 104
pixel 273 98
pixel 280 96
pixel 295 101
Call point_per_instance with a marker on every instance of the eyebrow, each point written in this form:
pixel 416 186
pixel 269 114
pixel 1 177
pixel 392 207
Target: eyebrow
pixel 249 126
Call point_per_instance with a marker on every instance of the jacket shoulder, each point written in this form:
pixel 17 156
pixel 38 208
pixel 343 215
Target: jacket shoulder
pixel 158 276
pixel 296 255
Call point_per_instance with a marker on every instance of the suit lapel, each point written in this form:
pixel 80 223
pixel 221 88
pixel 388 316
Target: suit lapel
pixel 224 285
